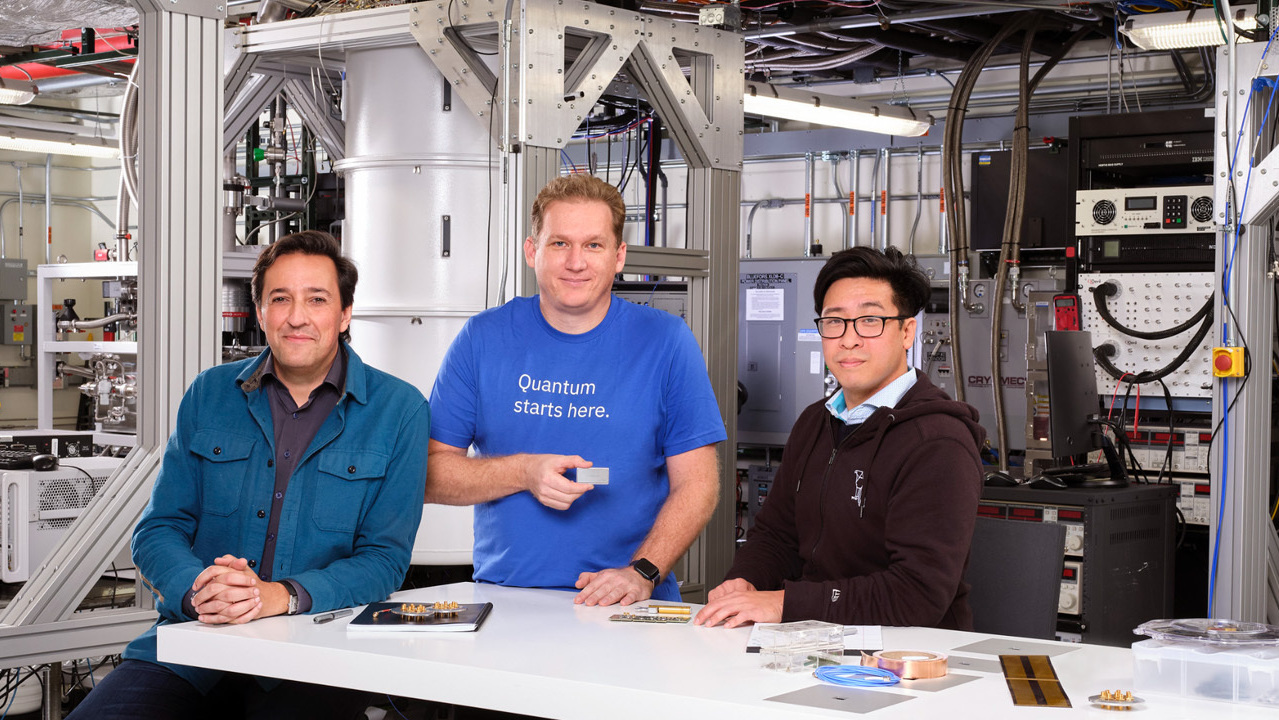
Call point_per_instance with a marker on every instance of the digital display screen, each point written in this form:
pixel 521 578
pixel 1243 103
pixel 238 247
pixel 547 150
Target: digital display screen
pixel 1149 202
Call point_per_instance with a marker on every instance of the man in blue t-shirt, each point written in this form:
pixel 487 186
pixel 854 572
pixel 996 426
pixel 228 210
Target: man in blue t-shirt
pixel 575 378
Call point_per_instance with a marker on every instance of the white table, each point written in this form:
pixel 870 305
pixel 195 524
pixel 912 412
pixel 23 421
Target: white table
pixel 539 654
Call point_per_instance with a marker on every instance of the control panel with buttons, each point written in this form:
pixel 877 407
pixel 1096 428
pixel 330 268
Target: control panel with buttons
pixel 1118 211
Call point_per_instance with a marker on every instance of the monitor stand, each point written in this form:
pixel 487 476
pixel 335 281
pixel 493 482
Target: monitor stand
pixel 1089 477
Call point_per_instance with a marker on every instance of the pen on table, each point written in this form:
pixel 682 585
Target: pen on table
pixel 330 616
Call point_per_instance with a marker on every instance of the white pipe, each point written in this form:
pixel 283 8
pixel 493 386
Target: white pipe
pixel 48 208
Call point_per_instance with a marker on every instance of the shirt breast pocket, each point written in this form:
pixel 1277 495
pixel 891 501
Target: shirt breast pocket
pixel 225 468
pixel 345 481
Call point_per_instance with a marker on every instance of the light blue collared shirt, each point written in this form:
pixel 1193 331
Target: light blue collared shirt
pixel 888 396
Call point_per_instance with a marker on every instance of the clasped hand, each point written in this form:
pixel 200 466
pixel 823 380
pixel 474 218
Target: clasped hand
pixel 228 591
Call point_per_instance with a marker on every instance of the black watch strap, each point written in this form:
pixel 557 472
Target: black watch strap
pixel 647 569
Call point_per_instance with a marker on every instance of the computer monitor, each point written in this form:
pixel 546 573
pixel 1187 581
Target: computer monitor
pixel 1073 405
pixel 1072 392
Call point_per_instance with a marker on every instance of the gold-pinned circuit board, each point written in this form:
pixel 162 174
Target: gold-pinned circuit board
pixel 632 617
pixel 439 609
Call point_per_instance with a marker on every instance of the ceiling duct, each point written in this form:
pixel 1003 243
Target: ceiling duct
pixel 37 22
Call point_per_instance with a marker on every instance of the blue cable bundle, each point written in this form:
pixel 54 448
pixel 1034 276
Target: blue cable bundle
pixel 856 676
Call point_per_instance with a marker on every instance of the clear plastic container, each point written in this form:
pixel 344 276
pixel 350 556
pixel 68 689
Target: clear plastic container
pixel 1243 674
pixel 800 646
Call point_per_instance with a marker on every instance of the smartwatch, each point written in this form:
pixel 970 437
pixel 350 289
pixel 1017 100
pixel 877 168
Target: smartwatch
pixel 293 598
pixel 648 570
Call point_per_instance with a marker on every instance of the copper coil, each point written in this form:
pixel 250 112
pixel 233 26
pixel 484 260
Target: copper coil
pixel 908 664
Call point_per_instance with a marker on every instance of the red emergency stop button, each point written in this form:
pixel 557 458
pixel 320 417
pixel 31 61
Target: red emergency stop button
pixel 1227 362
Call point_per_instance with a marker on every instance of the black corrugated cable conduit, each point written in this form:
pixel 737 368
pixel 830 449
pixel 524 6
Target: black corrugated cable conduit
pixel 1102 353
pixel 1108 289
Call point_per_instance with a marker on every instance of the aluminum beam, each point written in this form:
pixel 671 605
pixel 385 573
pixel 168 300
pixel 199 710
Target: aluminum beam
pixel 1240 581
pixel 179 275
pixel 713 219
pixel 102 632
pixel 91 544
pixel 325 38
pixel 644 260
pixel 245 108
pixel 180 125
pixel 316 112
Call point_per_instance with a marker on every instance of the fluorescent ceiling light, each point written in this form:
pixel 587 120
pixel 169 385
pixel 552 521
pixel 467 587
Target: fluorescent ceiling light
pixel 48 143
pixel 791 104
pixel 1185 29
pixel 16 92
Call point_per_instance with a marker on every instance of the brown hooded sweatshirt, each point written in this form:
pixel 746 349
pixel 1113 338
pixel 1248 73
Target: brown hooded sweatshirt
pixel 898 557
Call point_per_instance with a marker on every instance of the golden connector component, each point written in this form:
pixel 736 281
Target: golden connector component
pixel 1116 700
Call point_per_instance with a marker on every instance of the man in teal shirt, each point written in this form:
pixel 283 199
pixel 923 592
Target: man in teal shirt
pixel 283 490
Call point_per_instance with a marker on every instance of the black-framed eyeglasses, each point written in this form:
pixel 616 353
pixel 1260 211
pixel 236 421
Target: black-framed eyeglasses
pixel 866 326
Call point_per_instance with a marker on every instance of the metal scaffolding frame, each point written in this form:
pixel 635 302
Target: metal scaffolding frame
pixel 1244 589
pixel 179 282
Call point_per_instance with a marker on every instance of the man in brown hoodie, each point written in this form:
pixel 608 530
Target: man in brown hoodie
pixel 871 514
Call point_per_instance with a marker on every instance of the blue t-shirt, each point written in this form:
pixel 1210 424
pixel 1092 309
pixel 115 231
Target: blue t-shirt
pixel 625 395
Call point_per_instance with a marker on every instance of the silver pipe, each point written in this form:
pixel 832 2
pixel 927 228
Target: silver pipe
pixel 750 222
pixel 943 238
pixel 633 211
pixel 808 211
pixel 100 118
pixel 666 226
pixel 65 369
pixel 122 221
pixel 56 201
pixel 936 101
pixel 873 20
pixel 919 203
pixel 839 192
pixel 48 208
pixel 931 72
pixel 968 149
pixel 874 194
pixel 56 198
pixel 19 166
pixel 128 135
pixel 883 208
pixel 270 11
pixel 827 62
pixel 13 163
pixel 76 82
pixel 854 164
pixel 79 325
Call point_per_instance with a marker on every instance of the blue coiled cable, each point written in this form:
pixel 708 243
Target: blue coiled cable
pixel 856 676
